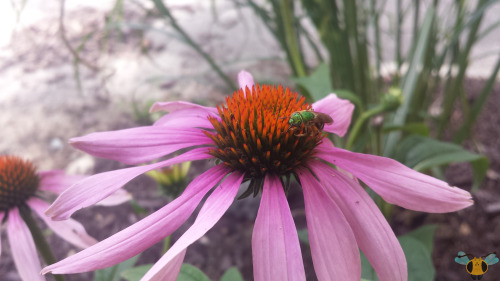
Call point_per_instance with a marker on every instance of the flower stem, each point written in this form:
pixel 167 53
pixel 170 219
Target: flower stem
pixel 356 129
pixel 166 244
pixel 40 242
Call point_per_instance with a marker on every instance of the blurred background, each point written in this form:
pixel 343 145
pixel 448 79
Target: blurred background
pixel 422 75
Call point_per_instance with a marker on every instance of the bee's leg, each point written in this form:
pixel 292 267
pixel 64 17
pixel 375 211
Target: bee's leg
pixel 303 134
pixel 479 277
pixel 473 277
pixel 316 131
pixel 320 126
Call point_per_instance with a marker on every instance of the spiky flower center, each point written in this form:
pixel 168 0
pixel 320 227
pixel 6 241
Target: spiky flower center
pixel 252 135
pixel 18 181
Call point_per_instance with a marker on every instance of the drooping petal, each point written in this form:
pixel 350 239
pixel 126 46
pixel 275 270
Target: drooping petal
pixel 56 181
pixel 70 230
pixel 275 245
pixel 334 249
pixel 172 106
pixel 213 209
pixel 171 271
pixel 143 234
pixel 245 79
pixel 116 198
pixel 141 144
pixel 398 184
pixel 97 187
pixel 2 215
pixel 373 234
pixel 23 248
pixel 187 118
pixel 339 109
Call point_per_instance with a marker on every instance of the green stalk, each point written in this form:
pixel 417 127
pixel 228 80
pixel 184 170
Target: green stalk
pixel 398 41
pixel 470 119
pixel 410 80
pixel 166 12
pixel 40 242
pixel 166 243
pixel 452 91
pixel 356 129
pixel 416 17
pixel 325 16
pixel 280 33
pixel 358 61
pixel 290 37
pixel 378 50
pixel 425 83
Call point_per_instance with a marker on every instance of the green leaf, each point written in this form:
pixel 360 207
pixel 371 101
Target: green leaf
pixel 135 273
pixel 191 273
pixel 318 85
pixel 413 128
pixel 138 209
pixel 424 234
pixel 114 273
pixel 367 271
pixel 418 258
pixel 303 236
pixel 417 246
pixel 421 153
pixel 232 274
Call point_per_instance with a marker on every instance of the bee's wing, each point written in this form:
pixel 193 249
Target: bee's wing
pixel 491 259
pixel 462 258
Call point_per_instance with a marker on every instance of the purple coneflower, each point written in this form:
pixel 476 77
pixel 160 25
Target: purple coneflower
pixel 249 135
pixel 21 188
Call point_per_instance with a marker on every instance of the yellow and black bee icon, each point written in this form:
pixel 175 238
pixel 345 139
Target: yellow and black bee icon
pixel 476 267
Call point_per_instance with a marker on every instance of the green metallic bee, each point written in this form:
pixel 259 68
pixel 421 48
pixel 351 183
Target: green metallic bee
pixel 310 119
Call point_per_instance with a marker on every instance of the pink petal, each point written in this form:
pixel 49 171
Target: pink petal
pixel 97 187
pixel 70 230
pixel 23 248
pixel 213 209
pixel 118 197
pixel 398 184
pixel 373 234
pixel 141 144
pixel 2 215
pixel 245 80
pixel 326 143
pixel 275 245
pixel 333 245
pixel 57 181
pixel 172 106
pixel 143 234
pixel 171 271
pixel 187 118
pixel 339 109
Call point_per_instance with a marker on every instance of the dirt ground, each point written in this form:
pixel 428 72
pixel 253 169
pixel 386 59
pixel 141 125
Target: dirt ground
pixel 42 107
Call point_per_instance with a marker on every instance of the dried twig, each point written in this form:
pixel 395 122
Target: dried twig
pixel 75 54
